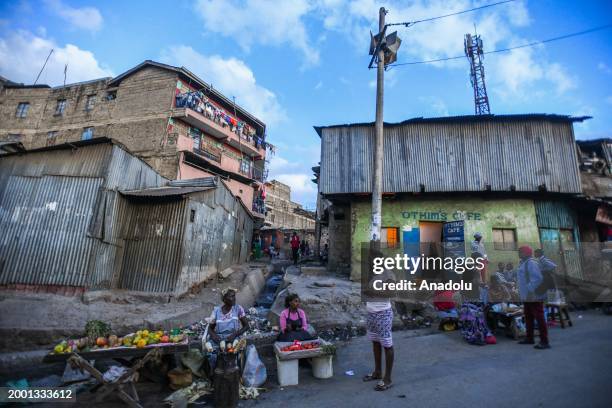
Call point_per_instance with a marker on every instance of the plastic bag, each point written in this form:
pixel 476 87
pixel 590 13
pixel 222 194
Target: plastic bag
pixel 254 374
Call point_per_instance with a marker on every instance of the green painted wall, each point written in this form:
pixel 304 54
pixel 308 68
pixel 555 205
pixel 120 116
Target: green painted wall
pixel 480 216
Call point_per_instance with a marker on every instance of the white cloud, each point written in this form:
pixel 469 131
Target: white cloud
pixel 319 85
pixel 303 190
pixel 22 55
pixel 511 75
pixel 232 77
pixel 516 75
pixel 86 18
pixel 262 22
pixel 435 105
pixel 603 67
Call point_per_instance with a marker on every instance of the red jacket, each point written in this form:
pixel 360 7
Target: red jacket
pixel 295 242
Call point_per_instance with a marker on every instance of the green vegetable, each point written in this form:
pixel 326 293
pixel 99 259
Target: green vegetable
pixel 329 349
pixel 97 328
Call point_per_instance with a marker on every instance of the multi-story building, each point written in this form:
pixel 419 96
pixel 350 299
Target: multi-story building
pixel 284 217
pixel 166 115
pixel 284 213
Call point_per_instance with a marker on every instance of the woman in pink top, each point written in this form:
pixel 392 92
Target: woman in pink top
pixel 293 321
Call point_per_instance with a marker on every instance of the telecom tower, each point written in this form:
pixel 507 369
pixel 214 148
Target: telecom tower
pixel 473 51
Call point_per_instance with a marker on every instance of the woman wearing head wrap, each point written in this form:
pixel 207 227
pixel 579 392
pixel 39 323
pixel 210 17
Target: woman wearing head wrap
pixel 227 321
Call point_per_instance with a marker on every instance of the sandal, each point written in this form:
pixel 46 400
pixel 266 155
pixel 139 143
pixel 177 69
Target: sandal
pixel 383 386
pixel 372 377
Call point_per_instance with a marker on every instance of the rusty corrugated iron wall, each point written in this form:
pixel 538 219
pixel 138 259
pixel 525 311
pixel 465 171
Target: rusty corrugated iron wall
pixel 153 235
pixel 59 214
pixel 64 222
pixel 218 237
pixel 44 229
pixel 450 157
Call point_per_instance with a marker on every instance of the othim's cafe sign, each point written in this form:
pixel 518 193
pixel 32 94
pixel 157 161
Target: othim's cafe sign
pixel 442 215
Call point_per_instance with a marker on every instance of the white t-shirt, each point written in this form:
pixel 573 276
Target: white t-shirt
pixel 373 307
pixel 379 304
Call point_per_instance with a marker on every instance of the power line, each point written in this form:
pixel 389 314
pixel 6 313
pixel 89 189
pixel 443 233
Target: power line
pixel 531 44
pixel 411 23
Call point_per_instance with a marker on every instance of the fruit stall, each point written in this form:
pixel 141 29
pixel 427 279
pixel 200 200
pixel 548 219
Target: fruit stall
pixel 99 343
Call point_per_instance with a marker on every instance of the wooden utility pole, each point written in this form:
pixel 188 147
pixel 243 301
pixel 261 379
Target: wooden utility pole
pixel 377 180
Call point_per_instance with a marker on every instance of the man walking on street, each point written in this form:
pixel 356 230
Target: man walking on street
pixel 529 278
pixel 295 246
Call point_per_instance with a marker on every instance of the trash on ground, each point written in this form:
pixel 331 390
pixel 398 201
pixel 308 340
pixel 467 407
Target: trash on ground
pixel 189 395
pixel 349 372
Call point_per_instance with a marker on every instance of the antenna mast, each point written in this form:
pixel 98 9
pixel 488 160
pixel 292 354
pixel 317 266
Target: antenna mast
pixel 474 53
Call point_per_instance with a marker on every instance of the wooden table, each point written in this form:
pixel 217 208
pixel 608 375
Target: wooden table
pixel 123 386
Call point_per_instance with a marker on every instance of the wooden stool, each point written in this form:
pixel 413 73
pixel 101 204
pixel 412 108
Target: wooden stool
pixel 558 309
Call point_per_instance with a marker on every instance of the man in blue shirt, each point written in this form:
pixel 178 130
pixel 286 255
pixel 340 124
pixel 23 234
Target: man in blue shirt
pixel 529 277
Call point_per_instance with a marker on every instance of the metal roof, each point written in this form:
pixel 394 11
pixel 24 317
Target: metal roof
pixel 427 156
pixel 468 119
pixel 164 191
pixel 195 182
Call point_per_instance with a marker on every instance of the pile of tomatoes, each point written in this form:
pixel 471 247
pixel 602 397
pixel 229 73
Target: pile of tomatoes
pixel 297 346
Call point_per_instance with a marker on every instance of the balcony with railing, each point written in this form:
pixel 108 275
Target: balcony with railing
pixel 259 206
pixel 209 120
pixel 254 173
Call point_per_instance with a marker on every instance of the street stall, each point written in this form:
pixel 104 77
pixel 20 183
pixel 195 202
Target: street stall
pixel 288 354
pixel 509 317
pixel 133 352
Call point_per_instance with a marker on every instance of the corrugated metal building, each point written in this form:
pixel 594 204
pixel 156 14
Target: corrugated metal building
pixel 505 176
pixel 89 215
pixel 464 153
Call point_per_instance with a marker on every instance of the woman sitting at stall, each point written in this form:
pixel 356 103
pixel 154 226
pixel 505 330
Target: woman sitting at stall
pixel 293 321
pixel 227 321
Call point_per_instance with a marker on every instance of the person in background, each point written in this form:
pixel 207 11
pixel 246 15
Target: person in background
pixel 546 265
pixel 500 270
pixel 295 246
pixel 303 249
pixel 498 291
pixel 529 277
pixel 306 248
pixel 293 322
pixel 478 248
pixel 510 273
pixel 325 253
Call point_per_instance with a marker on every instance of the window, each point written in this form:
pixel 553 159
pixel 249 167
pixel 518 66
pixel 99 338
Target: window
pixel 22 109
pixel 87 133
pixel 111 95
pixel 504 239
pixel 91 101
pixel 61 107
pixel 196 135
pixel 14 137
pixel 51 138
pixel 245 166
pixel 191 215
pixel 390 236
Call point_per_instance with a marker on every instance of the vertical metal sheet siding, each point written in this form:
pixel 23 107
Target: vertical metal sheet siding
pixel 554 214
pixel 44 222
pixel 453 157
pixel 152 252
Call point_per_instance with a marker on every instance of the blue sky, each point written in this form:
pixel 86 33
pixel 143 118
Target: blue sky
pixel 299 63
